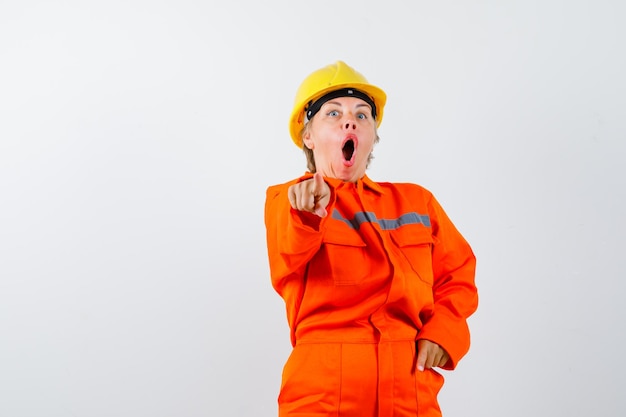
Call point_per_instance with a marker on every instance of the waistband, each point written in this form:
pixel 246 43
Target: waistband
pixel 356 335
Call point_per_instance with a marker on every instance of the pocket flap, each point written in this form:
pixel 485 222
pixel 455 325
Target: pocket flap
pixel 412 235
pixel 343 236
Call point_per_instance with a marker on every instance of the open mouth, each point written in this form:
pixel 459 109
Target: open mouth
pixel 348 150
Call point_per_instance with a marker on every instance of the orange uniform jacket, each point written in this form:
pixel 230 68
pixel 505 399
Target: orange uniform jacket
pixel 384 268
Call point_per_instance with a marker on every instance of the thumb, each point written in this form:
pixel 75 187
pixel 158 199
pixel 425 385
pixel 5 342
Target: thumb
pixel 318 184
pixel 422 355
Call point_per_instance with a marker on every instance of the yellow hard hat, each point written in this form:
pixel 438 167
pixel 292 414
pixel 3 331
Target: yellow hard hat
pixel 337 77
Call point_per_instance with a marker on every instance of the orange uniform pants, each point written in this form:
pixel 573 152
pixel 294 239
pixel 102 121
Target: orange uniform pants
pixel 357 380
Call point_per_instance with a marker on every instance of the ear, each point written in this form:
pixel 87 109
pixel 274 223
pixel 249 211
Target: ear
pixel 307 141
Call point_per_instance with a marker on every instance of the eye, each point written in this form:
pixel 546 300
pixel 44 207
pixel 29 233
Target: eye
pixel 333 113
pixel 362 116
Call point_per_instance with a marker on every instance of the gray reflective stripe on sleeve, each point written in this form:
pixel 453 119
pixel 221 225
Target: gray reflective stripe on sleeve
pixel 385 224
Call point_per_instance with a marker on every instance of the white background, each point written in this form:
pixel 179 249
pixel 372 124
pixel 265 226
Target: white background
pixel 137 139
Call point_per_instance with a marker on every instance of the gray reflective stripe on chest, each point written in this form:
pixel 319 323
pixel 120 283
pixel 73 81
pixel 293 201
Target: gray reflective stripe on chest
pixel 385 224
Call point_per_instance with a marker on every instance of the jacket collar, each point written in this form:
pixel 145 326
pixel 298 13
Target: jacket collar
pixel 365 182
pixel 374 186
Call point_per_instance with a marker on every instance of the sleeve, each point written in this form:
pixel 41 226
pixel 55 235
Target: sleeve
pixel 293 238
pixel 454 291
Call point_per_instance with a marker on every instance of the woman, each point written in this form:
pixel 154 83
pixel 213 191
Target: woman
pixel 377 281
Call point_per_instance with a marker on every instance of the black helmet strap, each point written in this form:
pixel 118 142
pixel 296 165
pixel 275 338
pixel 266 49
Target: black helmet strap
pixel 312 108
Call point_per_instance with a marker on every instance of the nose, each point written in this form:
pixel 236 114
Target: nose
pixel 349 122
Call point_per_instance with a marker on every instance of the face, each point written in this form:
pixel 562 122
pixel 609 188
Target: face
pixel 341 136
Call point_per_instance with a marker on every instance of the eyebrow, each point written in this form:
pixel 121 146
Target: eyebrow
pixel 339 104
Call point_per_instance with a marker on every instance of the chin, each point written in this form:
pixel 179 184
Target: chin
pixel 352 176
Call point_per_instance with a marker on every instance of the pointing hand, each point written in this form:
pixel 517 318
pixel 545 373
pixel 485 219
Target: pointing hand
pixel 312 195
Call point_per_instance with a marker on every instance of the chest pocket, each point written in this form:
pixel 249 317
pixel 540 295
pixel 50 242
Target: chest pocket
pixel 416 243
pixel 342 257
